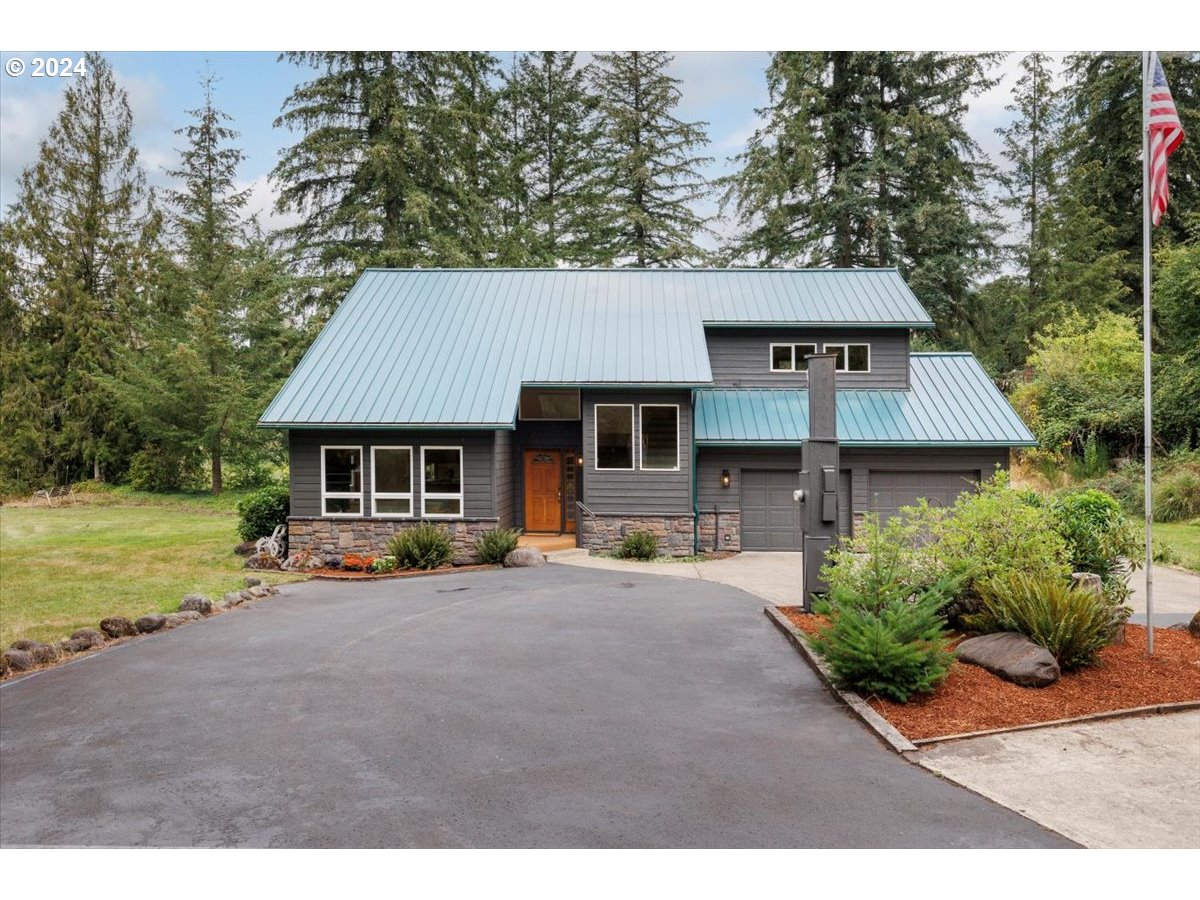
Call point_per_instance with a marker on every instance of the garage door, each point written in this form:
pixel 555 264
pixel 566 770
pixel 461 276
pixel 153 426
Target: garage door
pixel 892 490
pixel 770 517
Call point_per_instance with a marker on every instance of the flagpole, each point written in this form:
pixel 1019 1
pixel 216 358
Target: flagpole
pixel 1146 348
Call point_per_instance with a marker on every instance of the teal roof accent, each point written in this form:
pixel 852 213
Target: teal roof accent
pixel 452 347
pixel 951 402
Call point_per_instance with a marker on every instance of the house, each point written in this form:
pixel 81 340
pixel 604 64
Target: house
pixel 596 402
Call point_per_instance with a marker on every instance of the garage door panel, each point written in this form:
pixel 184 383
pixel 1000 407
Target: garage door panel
pixel 891 491
pixel 770 520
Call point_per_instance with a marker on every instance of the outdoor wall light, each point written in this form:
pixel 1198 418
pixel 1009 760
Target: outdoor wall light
pixel 579 461
pixel 724 478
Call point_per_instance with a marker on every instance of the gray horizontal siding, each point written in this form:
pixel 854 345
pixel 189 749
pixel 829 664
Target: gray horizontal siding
pixel 740 357
pixel 503 469
pixel 304 452
pixel 637 492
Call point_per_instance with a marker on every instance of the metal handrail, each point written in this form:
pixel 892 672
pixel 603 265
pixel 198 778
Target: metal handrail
pixel 586 511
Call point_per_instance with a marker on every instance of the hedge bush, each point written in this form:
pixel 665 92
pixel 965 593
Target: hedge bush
pixel 1177 496
pixel 1071 623
pixel 496 543
pixel 426 546
pixel 638 545
pixel 261 511
pixel 1100 538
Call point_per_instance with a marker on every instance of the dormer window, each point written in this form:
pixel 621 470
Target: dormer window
pixel 851 357
pixel 791 357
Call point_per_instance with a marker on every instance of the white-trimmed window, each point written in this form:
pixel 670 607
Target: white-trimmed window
pixel 851 357
pixel 391 482
pixel 341 481
pixel 614 436
pixel 441 482
pixel 791 357
pixel 660 436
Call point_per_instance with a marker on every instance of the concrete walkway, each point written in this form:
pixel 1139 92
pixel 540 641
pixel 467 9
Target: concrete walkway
pixel 775 577
pixel 1117 783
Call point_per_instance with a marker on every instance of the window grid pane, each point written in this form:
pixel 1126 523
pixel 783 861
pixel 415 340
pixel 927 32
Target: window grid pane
pixel 614 437
pixel 393 471
pixel 860 358
pixel 343 470
pixel 781 358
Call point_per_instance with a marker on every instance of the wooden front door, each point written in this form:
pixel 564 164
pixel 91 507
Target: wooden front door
pixel 543 490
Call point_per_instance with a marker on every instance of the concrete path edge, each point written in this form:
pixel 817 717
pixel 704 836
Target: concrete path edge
pixel 873 720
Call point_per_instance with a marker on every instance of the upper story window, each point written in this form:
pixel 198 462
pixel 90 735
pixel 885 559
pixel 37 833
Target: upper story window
pixel 341 481
pixel 660 436
pixel 851 357
pixel 614 436
pixel 549 405
pixel 791 357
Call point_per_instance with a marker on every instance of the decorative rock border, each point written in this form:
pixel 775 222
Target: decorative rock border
pixel 26 656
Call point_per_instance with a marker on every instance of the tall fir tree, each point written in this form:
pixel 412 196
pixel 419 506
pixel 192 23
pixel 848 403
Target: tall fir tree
pixel 1103 111
pixel 397 162
pixel 552 117
pixel 81 230
pixel 650 169
pixel 864 160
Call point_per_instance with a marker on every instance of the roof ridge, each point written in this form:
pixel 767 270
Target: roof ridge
pixel 615 269
pixel 941 353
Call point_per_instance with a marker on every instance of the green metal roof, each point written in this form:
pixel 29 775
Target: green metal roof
pixel 446 347
pixel 951 402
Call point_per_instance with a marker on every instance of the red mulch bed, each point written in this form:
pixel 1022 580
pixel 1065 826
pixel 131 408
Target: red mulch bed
pixel 345 575
pixel 973 699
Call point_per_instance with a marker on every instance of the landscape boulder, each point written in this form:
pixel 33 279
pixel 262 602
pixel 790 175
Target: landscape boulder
pixel 524 557
pixel 188 615
pixel 252 580
pixel 152 622
pixel 333 561
pixel 39 652
pixel 1088 581
pixel 1012 656
pixel 117 626
pixel 16 661
pixel 260 590
pixel 196 602
pixel 172 620
pixel 262 561
pixel 233 598
pixel 304 561
pixel 87 638
pixel 1194 626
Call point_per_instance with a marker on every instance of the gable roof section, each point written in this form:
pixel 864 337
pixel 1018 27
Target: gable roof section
pixel 952 402
pixel 442 347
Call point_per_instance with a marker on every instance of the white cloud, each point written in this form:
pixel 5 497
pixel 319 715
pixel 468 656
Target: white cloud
pixel 261 203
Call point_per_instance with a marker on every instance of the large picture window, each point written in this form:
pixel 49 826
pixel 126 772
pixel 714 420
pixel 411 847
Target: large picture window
pixel 660 437
pixel 614 436
pixel 341 481
pixel 538 404
pixel 442 482
pixel 391 481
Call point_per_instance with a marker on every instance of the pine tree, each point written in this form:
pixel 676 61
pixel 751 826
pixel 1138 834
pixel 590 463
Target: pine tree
pixel 1029 147
pixel 82 228
pixel 551 117
pixel 649 170
pixel 397 163
pixel 864 160
pixel 1103 108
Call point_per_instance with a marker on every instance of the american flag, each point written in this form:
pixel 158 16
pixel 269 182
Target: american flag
pixel 1166 133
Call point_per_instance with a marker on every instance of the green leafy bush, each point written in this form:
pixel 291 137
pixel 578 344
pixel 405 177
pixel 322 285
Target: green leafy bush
pixel 261 511
pixel 155 469
pixel 638 545
pixel 884 645
pixel 1100 538
pixel 1072 624
pixel 427 546
pixel 1177 496
pixel 496 543
pixel 383 564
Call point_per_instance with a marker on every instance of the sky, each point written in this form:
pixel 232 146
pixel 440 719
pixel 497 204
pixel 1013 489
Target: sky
pixel 721 88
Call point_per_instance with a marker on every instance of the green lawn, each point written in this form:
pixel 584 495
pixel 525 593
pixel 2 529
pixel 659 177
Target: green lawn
pixel 120 553
pixel 1184 537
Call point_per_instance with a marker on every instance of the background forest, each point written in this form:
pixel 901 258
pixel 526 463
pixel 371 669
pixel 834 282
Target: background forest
pixel 142 331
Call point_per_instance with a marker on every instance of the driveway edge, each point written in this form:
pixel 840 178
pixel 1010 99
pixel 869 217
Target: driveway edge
pixel 873 720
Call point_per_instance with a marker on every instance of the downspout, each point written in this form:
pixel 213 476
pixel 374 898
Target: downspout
pixel 695 482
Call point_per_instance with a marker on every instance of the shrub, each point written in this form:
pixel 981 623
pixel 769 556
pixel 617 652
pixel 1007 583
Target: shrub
pixel 1072 624
pixel 496 543
pixel 357 562
pixel 1177 496
pixel 1167 554
pixel 155 469
pixel 427 546
pixel 638 545
pixel 383 564
pixel 892 649
pixel 261 511
pixel 1100 538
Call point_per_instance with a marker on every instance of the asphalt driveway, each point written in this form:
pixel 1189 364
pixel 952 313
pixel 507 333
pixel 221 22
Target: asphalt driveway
pixel 551 707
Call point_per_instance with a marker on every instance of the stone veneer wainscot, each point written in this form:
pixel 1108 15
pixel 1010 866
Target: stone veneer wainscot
pixel 365 535
pixel 604 531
